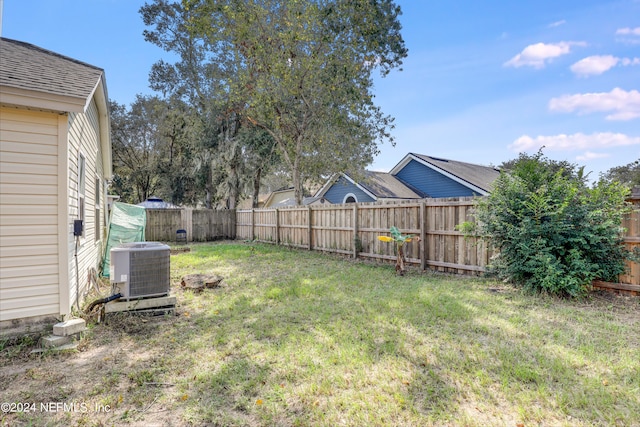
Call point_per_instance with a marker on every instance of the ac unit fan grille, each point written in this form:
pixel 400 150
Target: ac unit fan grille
pixel 150 273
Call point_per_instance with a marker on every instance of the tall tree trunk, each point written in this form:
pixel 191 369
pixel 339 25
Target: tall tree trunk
pixel 232 201
pixel 233 181
pixel 297 179
pixel 297 185
pixel 256 188
pixel 208 189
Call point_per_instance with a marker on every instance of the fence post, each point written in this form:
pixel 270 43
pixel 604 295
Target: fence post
pixel 310 228
pixel 425 232
pixel 355 231
pixel 423 236
pixel 277 227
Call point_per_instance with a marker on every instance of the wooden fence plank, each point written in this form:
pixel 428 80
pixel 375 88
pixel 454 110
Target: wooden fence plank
pixel 356 239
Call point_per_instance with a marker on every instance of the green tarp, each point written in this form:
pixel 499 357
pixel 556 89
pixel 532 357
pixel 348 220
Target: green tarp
pixel 126 225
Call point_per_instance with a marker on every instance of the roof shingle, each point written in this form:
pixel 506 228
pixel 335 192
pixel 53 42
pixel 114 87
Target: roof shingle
pixel 29 67
pixel 385 185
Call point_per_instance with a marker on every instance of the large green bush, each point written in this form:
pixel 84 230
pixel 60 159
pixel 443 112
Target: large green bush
pixel 553 233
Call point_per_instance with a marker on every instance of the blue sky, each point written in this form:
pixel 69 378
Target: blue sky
pixel 483 80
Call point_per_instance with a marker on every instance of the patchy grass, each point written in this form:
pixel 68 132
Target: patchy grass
pixel 294 338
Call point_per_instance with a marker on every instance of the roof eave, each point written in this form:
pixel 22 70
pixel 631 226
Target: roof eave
pixel 101 97
pixel 41 100
pixel 402 163
pixel 327 185
pixel 361 187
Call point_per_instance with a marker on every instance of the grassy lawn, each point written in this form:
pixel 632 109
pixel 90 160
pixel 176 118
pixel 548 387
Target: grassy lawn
pixel 295 338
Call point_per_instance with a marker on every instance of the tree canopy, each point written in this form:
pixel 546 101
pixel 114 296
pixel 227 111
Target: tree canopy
pixel 300 70
pixel 628 174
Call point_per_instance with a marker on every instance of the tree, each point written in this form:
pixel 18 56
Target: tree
pixel 553 233
pixel 230 151
pixel 628 174
pixel 135 148
pixel 153 150
pixel 261 160
pixel 178 130
pixel 529 163
pixel 300 70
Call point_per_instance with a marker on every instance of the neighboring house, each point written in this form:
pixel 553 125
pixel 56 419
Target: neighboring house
pixel 416 176
pixel 157 203
pixel 285 197
pixel 434 177
pixel 55 160
pixel 376 187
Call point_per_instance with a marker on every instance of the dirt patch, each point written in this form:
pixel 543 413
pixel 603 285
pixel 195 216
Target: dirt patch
pixel 180 250
pixel 108 380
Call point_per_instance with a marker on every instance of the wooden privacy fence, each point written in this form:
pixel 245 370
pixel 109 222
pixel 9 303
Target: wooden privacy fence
pixel 353 229
pixel 201 225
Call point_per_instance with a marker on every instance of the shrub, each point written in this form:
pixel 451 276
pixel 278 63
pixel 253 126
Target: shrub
pixel 553 233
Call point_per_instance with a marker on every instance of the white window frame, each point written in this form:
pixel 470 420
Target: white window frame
pixel 97 213
pixel 350 195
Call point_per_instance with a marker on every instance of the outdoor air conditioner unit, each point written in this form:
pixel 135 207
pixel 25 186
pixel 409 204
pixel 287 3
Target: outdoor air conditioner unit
pixel 140 269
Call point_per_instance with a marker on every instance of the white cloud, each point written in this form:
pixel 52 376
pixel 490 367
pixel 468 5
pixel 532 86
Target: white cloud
pixel 598 64
pixel 590 155
pixel 623 105
pixel 628 35
pixel 539 54
pixel 630 61
pixel 557 23
pixel 593 65
pixel 628 31
pixel 577 141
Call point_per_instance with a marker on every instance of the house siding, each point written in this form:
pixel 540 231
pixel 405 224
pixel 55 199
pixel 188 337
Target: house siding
pixel 342 187
pixel 277 197
pixel 84 138
pixel 430 183
pixel 29 215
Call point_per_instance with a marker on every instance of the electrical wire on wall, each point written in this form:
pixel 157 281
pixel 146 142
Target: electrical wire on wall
pixel 77 274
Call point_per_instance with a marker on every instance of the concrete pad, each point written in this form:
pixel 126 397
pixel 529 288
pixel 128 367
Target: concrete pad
pixel 70 346
pixel 141 304
pixel 69 327
pixel 51 341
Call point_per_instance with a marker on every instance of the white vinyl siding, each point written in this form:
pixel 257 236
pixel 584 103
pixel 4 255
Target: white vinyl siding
pixel 29 214
pixel 84 139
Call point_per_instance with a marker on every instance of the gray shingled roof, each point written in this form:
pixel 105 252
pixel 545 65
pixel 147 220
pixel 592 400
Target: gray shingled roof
pixel 478 175
pixel 25 66
pixel 385 185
